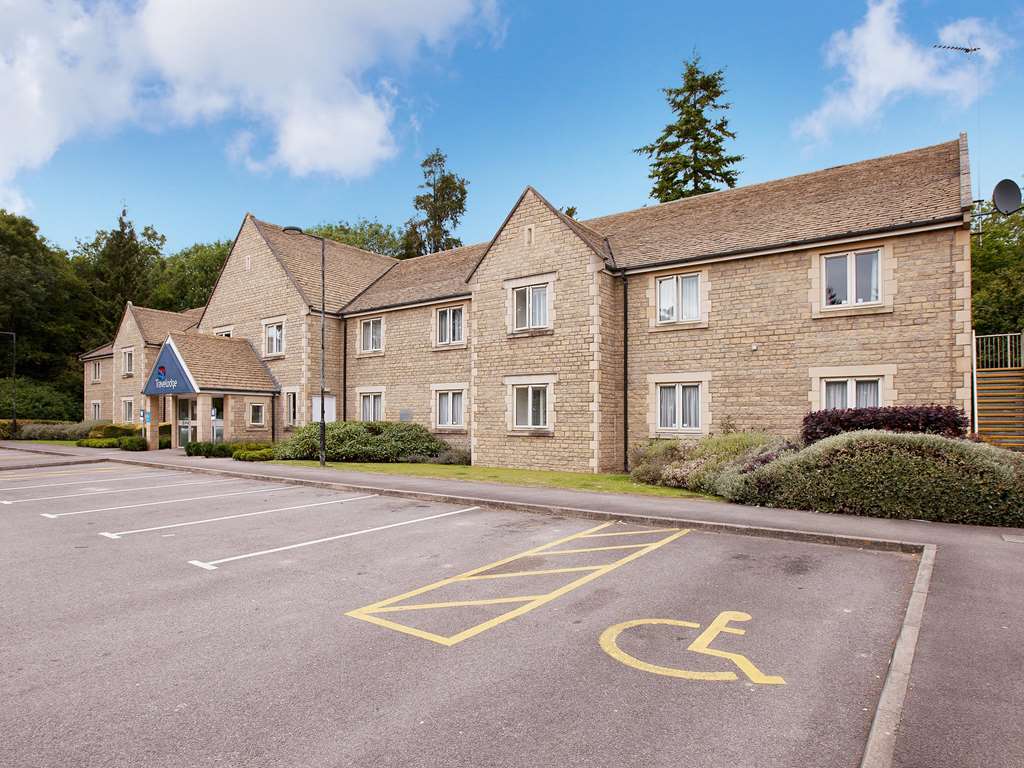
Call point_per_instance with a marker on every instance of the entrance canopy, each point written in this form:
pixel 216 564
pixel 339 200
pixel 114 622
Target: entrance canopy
pixel 190 363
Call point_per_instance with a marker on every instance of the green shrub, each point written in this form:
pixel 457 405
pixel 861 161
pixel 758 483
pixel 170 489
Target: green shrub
pixel 384 441
pixel 165 441
pixel 892 475
pixel 65 431
pixel 263 454
pixel 115 430
pixel 222 450
pixel 700 465
pixel 99 442
pixel 648 460
pixel 6 431
pixel 132 444
pixel 448 456
pixel 40 400
pixel 733 473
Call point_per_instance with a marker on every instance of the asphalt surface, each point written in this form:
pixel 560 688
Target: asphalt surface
pixel 229 642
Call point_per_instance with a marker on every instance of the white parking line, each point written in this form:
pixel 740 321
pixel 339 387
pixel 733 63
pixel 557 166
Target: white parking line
pixel 137 476
pixel 211 565
pixel 111 490
pixel 119 534
pixel 166 501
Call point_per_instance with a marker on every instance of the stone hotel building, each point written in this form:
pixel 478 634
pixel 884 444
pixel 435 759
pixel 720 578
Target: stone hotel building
pixel 560 343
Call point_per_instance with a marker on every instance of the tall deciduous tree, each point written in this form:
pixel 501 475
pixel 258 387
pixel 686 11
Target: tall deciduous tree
pixel 997 272
pixel 370 235
pixel 185 279
pixel 689 156
pixel 441 207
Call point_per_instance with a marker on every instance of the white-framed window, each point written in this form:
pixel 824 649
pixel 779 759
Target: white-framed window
pixel 852 279
pixel 449 326
pixel 371 334
pixel 257 414
pixel 371 406
pixel 678 298
pixel 273 337
pixel 291 408
pixel 530 307
pixel 128 361
pixel 450 408
pixel 96 406
pixel 679 406
pixel 225 330
pixel 127 411
pixel 530 406
pixel 853 392
pixel 96 371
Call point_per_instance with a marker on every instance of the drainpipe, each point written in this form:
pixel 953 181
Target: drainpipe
pixel 273 417
pixel 344 369
pixel 625 370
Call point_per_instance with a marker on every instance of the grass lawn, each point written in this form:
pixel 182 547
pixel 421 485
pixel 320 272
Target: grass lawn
pixel 579 481
pixel 51 442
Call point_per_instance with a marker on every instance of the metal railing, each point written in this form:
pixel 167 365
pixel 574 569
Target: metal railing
pixel 1000 350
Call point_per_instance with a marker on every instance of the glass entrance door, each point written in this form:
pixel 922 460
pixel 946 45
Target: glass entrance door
pixel 188 421
pixel 218 419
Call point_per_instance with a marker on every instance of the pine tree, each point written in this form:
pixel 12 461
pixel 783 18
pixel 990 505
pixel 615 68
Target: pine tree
pixel 442 206
pixel 689 156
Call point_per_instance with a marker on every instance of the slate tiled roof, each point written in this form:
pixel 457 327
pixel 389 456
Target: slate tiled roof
pixel 105 350
pixel 223 363
pixel 916 187
pixel 155 324
pixel 424 278
pixel 349 269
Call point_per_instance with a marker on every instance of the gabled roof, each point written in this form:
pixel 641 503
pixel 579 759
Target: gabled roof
pixel 222 363
pixel 430 277
pixel 915 188
pixel 155 324
pixel 104 350
pixel 349 270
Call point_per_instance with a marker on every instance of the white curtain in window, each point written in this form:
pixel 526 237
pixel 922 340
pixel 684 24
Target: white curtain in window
pixel 442 408
pixel 522 407
pixel 539 306
pixel 375 326
pixel 538 406
pixel 367 336
pixel 867 393
pixel 443 327
pixel 456 325
pixel 867 277
pixel 522 316
pixel 456 408
pixel 667 300
pixel 691 297
pixel 690 406
pixel 667 407
pixel 835 394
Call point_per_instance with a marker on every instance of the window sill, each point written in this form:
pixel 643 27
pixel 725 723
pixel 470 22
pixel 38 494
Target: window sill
pixel 127 375
pixel 531 332
pixel 449 430
pixel 539 432
pixel 871 309
pixel 374 353
pixel 677 433
pixel 96 381
pixel 275 356
pixel 445 347
pixel 683 326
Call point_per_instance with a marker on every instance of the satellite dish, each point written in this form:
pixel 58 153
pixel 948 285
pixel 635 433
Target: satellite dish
pixel 1006 197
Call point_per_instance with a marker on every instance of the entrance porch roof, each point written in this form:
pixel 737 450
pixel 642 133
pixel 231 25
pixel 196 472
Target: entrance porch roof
pixel 197 362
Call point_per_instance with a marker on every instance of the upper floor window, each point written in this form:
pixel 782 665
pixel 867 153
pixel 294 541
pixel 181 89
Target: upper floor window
pixel 852 278
pixel 127 361
pixel 531 307
pixel 679 406
pixel 449 325
pixel 678 298
pixel 371 335
pixel 223 331
pixel 851 393
pixel 96 370
pixel 273 337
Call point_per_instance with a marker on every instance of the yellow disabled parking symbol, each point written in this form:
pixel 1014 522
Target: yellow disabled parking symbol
pixel 702 645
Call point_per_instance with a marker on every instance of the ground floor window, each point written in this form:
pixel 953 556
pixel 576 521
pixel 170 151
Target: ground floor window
pixel 679 406
pixel 291 408
pixel 256 414
pixel 95 410
pixel 851 393
pixel 449 408
pixel 128 411
pixel 371 406
pixel 531 406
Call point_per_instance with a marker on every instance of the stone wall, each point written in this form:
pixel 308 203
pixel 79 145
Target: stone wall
pixel 101 390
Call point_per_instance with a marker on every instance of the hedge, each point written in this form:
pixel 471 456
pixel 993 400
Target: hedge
pixel 377 441
pixel 115 430
pixel 63 431
pixel 99 442
pixel 891 475
pixel 221 450
pixel 262 454
pixel 7 434
pixel 132 444
pixel 945 420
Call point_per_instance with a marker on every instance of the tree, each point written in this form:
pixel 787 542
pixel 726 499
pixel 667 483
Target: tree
pixel 185 279
pixel 116 266
pixel 442 206
pixel 569 210
pixel 997 271
pixel 689 156
pixel 363 233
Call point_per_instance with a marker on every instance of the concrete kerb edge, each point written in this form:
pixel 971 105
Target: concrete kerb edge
pixel 41 465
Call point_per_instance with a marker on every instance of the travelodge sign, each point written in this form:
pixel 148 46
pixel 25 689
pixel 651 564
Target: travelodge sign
pixel 168 376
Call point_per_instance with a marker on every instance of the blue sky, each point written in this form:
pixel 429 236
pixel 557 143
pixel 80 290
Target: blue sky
pixel 517 93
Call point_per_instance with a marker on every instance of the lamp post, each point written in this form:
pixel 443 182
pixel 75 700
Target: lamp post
pixel 323 301
pixel 14 379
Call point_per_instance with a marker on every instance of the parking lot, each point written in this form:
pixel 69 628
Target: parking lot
pixel 165 618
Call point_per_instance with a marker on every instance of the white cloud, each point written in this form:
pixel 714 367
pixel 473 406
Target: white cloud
pixel 297 73
pixel 882 64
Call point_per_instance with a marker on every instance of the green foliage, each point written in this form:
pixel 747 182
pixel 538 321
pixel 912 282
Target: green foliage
pixel 648 460
pixel 689 155
pixel 65 431
pixel 997 272
pixel 569 210
pixel 884 474
pixel 7 427
pixel 99 442
pixel 222 450
pixel 441 208
pixel 447 456
pixel 363 233
pixel 39 400
pixel 701 463
pixel 132 444
pixel 363 441
pixel 165 442
pixel 114 430
pixel 185 279
pixel 263 454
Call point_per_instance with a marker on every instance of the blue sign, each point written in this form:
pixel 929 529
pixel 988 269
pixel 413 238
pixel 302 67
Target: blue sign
pixel 168 375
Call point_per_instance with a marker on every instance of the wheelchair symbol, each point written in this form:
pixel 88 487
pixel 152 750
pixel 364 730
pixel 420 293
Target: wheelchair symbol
pixel 701 645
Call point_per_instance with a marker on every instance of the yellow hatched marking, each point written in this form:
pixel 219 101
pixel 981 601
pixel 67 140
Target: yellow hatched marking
pixel 591 549
pixel 456 603
pixel 627 533
pixel 529 602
